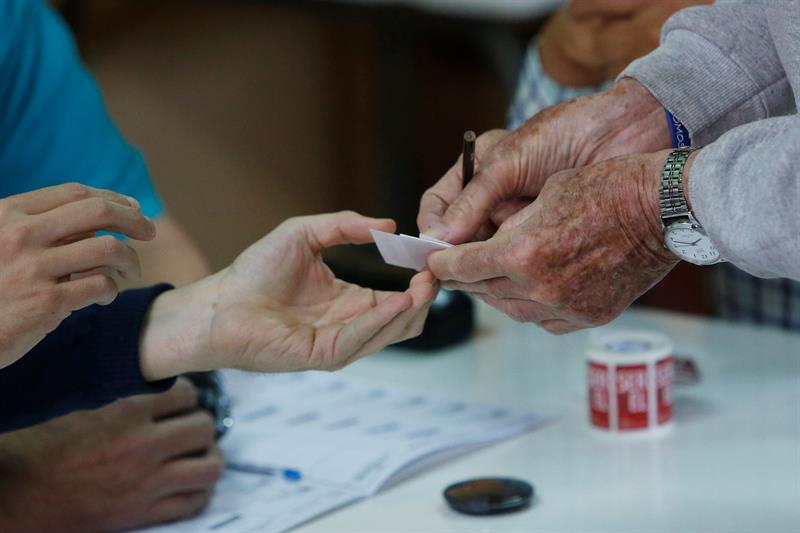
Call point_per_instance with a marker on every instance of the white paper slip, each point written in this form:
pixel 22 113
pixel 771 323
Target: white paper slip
pixel 407 251
pixel 431 239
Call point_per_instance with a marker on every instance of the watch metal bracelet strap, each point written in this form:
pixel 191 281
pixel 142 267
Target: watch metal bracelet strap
pixel 671 198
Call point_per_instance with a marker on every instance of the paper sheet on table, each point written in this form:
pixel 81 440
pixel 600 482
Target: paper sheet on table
pixel 407 251
pixel 348 437
pixel 247 502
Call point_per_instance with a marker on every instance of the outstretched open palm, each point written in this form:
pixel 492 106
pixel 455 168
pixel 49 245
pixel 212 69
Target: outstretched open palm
pixel 280 308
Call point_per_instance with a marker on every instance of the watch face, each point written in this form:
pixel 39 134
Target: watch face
pixel 691 244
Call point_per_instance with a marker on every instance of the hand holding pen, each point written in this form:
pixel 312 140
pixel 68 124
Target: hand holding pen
pixel 435 215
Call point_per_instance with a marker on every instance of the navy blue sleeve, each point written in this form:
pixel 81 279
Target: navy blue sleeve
pixel 91 359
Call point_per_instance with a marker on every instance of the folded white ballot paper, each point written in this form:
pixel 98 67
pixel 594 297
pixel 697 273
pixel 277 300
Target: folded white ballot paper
pixel 407 251
pixel 348 437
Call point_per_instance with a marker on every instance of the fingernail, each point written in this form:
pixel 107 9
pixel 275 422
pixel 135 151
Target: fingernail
pixel 437 230
pixel 134 202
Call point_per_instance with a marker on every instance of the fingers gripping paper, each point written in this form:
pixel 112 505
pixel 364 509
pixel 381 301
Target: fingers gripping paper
pixel 407 251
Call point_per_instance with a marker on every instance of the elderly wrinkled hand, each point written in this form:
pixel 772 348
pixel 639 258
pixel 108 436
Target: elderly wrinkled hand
pixel 513 167
pixel 588 246
pixel 437 200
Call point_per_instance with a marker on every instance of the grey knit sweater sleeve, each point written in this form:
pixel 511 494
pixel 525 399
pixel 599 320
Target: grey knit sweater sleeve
pixel 745 190
pixel 731 73
pixel 718 67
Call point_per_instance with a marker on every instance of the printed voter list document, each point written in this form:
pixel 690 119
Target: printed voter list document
pixel 347 437
pixel 251 502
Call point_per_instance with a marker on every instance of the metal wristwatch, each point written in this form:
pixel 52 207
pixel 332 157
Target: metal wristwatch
pixel 683 234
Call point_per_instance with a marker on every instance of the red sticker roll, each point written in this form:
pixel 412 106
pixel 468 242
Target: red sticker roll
pixel 629 379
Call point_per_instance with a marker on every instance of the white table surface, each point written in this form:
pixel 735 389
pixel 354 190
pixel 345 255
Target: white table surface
pixel 731 463
pixel 491 9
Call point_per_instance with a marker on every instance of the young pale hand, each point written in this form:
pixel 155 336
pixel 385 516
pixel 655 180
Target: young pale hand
pixel 514 167
pixel 51 262
pixel 578 256
pixel 279 308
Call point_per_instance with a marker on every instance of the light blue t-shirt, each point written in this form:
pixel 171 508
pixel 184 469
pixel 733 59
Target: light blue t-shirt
pixel 54 127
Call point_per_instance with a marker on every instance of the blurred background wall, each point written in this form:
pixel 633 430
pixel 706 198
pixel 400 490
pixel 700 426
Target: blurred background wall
pixel 251 112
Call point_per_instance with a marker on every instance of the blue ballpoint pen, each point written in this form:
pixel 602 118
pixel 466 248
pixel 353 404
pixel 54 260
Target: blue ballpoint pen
pixel 290 474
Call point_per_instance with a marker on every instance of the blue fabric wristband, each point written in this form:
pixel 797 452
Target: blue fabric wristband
pixel 678 132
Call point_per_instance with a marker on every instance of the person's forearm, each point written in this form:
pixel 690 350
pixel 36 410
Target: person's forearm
pixel 175 336
pixel 745 190
pixel 92 359
pixel 717 68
